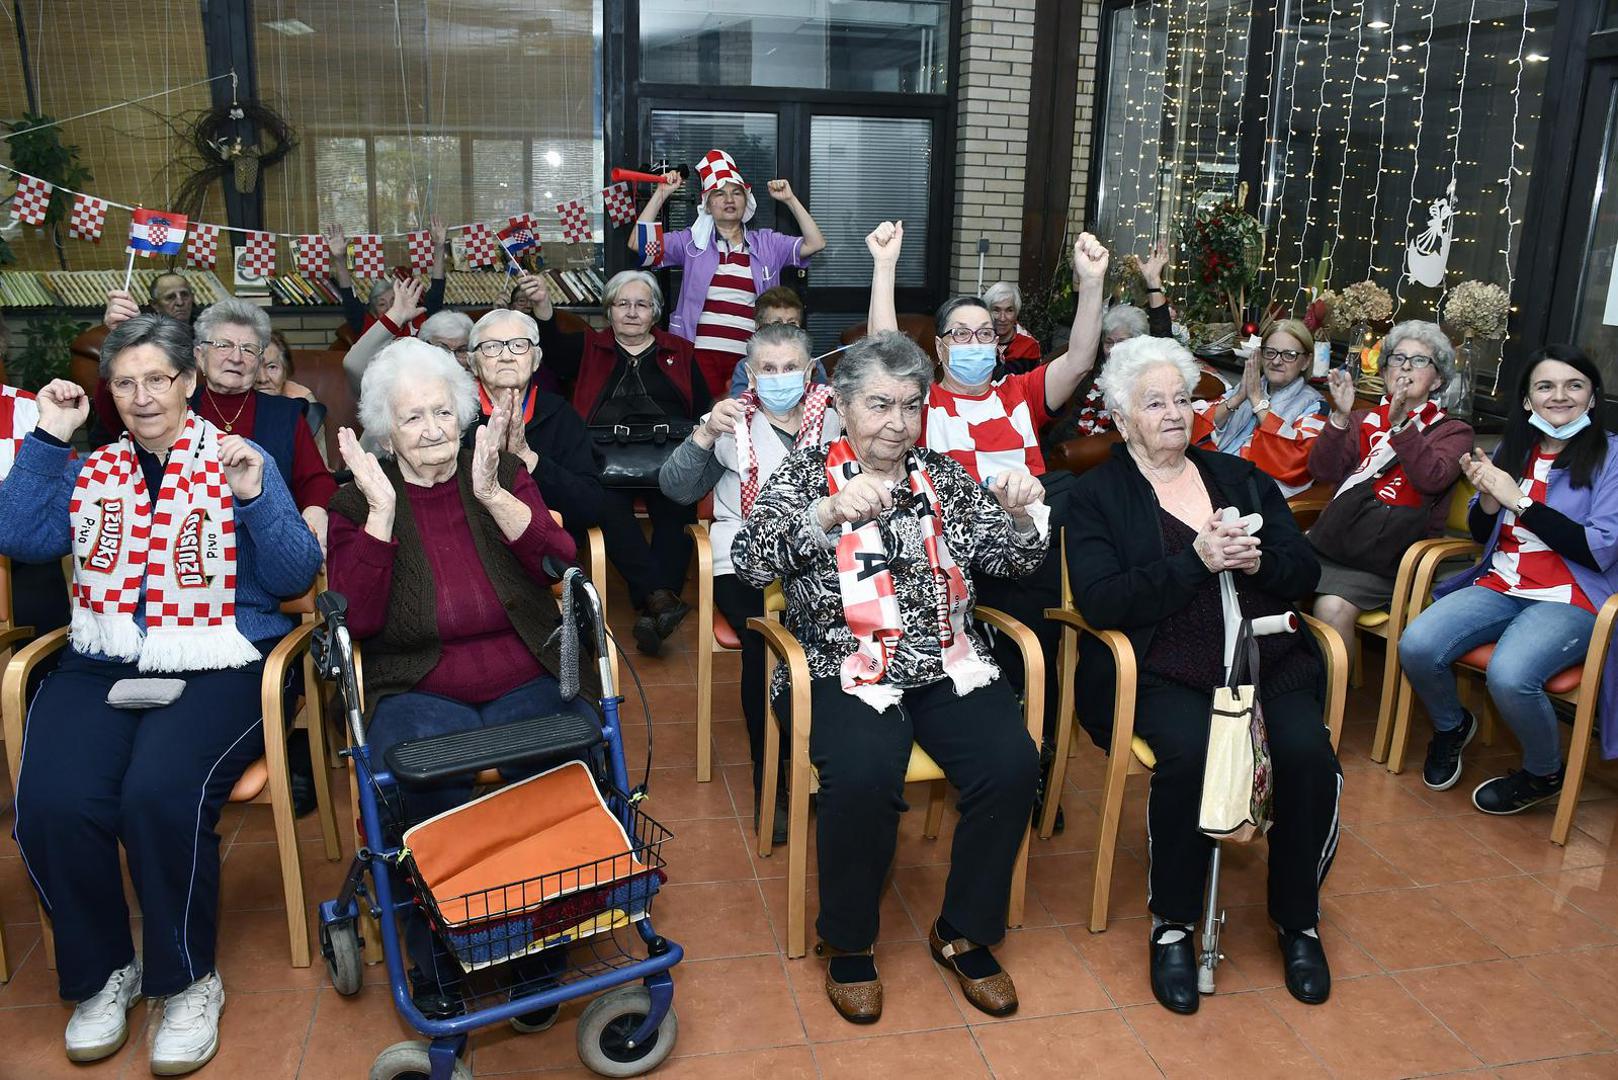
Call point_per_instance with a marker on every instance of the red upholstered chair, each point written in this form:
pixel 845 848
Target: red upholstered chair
pixel 918 328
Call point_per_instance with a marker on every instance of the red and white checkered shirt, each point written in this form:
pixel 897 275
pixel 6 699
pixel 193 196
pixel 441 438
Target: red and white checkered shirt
pixel 18 415
pixel 992 433
pixel 1523 565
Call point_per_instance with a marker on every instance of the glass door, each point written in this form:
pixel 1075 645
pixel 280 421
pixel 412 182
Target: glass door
pixel 1588 304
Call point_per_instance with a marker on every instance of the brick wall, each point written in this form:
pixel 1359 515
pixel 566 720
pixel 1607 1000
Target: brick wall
pixel 996 54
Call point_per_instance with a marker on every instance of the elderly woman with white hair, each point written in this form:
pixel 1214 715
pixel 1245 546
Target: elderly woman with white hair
pixel 634 384
pixel 449 331
pixel 1392 467
pixel 895 660
pixel 1146 546
pixel 1019 350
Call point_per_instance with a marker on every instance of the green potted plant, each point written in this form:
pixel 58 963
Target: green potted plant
pixel 46 353
pixel 36 148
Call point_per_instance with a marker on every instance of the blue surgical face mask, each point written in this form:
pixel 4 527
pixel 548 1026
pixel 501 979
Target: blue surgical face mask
pixel 1566 431
pixel 972 363
pixel 781 393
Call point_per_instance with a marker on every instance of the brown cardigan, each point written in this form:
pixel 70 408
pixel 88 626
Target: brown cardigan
pixel 1431 458
pixel 408 647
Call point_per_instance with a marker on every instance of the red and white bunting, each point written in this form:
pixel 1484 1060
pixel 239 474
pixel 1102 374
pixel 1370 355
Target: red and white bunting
pixel 369 258
pixel 88 219
pixel 33 199
pixel 260 253
pixel 203 252
pixel 575 221
pixel 314 257
pixel 619 200
pixel 479 245
pixel 420 247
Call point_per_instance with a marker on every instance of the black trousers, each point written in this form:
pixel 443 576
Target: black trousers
pixel 647 565
pixel 1308 783
pixel 1025 599
pixel 93 776
pixel 981 744
pixel 737 601
pixel 39 596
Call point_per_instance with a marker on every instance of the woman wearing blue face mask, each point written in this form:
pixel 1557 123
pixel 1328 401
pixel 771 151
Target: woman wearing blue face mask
pixel 1547 505
pixel 732 453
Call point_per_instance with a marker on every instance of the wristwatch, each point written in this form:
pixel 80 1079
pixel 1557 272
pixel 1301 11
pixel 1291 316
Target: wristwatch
pixel 1261 405
pixel 1153 289
pixel 1522 505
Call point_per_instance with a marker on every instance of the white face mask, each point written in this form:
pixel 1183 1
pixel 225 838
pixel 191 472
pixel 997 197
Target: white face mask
pixel 1566 431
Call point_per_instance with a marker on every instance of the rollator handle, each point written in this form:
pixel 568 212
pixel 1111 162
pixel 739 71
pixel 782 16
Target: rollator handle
pixel 331 606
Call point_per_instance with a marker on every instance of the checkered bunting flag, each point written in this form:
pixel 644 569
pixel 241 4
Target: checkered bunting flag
pixel 420 247
pixel 260 256
pixel 88 219
pixel 620 203
pixel 575 221
pixel 32 200
pixel 369 258
pixel 203 253
pixel 479 245
pixel 314 257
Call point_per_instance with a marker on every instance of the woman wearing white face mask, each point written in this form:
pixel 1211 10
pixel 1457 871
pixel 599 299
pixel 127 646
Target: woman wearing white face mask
pixel 732 453
pixel 1547 507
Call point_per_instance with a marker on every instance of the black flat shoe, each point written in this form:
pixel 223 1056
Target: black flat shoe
pixel 1174 971
pixel 647 639
pixel 1304 959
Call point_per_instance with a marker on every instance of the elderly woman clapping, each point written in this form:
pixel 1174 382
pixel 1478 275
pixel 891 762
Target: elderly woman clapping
pixel 895 660
pixel 1145 548
pixel 1392 467
pixel 733 453
pixel 184 541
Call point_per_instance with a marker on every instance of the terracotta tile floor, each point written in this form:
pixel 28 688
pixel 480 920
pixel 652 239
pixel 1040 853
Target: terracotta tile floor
pixel 1460 944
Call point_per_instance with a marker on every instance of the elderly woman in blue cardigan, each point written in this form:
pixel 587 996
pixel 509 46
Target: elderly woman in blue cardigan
pixel 183 545
pixel 1548 505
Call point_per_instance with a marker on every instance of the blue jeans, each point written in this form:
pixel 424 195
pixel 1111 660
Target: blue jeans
pixel 1536 639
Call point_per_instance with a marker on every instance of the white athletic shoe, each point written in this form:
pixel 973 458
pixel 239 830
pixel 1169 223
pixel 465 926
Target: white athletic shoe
pixel 101 1024
pixel 188 1036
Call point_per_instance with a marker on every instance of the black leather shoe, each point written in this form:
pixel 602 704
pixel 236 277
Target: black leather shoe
pixel 1174 970
pixel 1304 959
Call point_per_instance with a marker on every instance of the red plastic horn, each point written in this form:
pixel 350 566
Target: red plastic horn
pixel 634 177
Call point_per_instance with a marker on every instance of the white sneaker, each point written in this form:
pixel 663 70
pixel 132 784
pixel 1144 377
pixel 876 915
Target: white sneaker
pixel 188 1035
pixel 101 1024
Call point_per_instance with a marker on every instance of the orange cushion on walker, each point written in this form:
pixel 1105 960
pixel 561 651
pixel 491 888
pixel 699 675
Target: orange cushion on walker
pixel 482 858
pixel 724 633
pixel 1561 683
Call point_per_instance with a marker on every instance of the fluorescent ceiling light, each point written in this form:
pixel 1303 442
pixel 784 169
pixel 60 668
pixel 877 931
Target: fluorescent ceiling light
pixel 1536 58
pixel 290 27
pixel 1378 25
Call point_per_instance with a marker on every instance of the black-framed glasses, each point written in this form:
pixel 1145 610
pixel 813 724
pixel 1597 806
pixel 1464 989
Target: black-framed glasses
pixel 1291 356
pixel 963 335
pixel 517 346
pixel 225 348
pixel 1413 361
pixel 155 383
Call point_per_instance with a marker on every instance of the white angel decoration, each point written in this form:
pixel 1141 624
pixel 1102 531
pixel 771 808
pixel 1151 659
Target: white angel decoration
pixel 1427 256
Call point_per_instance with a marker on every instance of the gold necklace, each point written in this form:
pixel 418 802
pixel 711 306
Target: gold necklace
pixel 230 425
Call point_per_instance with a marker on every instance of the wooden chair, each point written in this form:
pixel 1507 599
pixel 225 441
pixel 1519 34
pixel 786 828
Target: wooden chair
pixel 1140 759
pixel 266 780
pixel 1578 686
pixel 714 633
pixel 10 637
pixel 783 648
pixel 918 328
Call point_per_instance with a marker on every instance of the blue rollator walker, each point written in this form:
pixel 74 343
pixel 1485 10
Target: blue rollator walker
pixel 574 919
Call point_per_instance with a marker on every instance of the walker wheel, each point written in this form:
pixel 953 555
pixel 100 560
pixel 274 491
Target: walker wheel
pixel 605 1028
pixel 340 945
pixel 409 1061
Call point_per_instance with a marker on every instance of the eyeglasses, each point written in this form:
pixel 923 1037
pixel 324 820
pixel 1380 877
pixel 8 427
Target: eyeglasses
pixel 961 335
pixel 1406 360
pixel 517 346
pixel 1292 356
pixel 225 348
pixel 155 383
pixel 632 305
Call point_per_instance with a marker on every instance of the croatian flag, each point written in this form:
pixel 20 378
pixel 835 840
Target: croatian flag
pixel 649 242
pixel 155 232
pixel 517 237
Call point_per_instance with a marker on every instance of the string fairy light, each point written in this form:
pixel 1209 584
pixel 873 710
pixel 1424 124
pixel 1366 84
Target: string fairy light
pixel 1460 116
pixel 1314 149
pixel 1382 137
pixel 1415 159
pixel 1348 129
pixel 1135 115
pixel 1278 197
pixel 1511 163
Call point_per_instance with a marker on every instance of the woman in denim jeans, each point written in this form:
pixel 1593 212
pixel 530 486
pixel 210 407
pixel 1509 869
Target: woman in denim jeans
pixel 1548 506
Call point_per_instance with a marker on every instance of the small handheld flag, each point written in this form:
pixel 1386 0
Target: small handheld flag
pixel 517 237
pixel 649 242
pixel 154 232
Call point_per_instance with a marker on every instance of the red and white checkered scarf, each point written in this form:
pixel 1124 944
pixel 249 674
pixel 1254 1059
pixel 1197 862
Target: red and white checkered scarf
pixel 871 603
pixel 815 400
pixel 183 550
pixel 1376 451
pixel 18 415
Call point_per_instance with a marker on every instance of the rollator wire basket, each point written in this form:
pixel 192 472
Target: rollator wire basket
pixel 543 862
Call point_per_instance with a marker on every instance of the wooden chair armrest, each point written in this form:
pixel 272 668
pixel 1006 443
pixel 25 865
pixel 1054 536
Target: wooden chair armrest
pixel 1595 656
pixel 698 532
pixel 15 636
pixel 288 653
pixel 1126 670
pixel 1433 554
pixel 778 640
pixel 1033 659
pixel 1307 505
pixel 1336 653
pixel 14 692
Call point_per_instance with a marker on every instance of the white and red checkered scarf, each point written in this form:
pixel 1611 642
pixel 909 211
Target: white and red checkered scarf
pixel 870 600
pixel 815 400
pixel 1376 452
pixel 18 415
pixel 183 550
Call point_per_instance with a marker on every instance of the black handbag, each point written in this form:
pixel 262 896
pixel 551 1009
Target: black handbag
pixel 633 454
